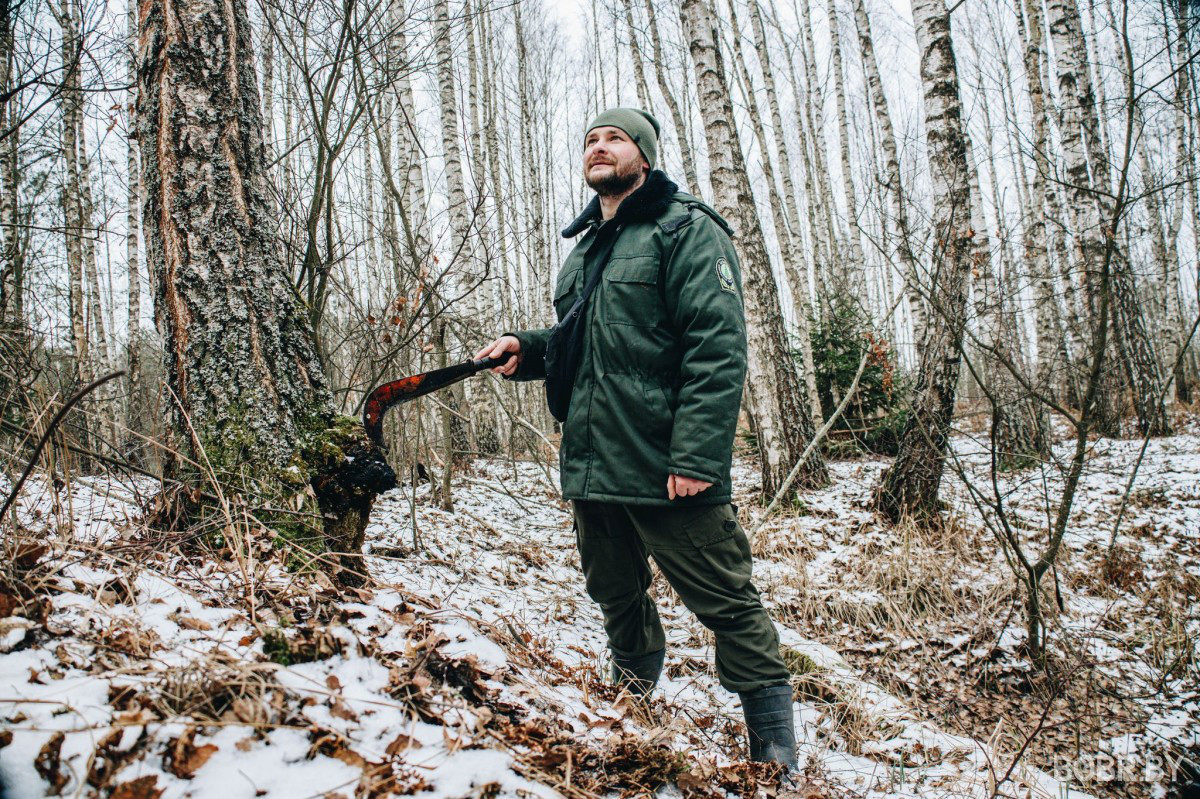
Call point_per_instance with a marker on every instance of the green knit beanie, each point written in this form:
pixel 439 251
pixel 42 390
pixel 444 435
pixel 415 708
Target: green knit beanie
pixel 640 126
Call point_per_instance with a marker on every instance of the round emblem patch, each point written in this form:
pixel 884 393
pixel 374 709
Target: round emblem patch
pixel 725 275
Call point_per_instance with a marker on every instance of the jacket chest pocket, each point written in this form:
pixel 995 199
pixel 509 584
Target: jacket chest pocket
pixel 565 291
pixel 631 288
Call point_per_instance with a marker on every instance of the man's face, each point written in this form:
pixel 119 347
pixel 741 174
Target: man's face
pixel 612 162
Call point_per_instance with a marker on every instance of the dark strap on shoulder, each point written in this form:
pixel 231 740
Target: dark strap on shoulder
pixel 602 256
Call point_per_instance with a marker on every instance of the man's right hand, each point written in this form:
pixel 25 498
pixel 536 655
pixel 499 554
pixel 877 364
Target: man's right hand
pixel 497 349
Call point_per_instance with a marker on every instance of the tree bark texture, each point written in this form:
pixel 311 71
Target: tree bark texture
pixel 797 267
pixel 842 278
pixel 910 485
pixel 898 227
pixel 660 74
pixel 1089 183
pixel 11 268
pixel 793 261
pixel 247 391
pixel 777 400
pixel 133 364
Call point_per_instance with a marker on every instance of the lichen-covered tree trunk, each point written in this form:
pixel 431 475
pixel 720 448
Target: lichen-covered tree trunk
pixel 246 393
pixel 777 402
pixel 910 485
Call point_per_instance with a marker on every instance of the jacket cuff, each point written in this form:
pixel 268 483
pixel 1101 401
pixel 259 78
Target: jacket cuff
pixel 531 362
pixel 708 476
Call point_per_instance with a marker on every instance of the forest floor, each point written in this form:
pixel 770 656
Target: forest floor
pixel 140 666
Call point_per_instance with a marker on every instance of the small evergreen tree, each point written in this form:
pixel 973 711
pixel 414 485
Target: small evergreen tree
pixel 877 411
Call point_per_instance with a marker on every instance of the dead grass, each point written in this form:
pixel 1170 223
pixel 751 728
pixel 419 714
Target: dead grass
pixel 216 688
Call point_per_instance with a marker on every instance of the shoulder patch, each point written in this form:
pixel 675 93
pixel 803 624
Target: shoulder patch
pixel 725 275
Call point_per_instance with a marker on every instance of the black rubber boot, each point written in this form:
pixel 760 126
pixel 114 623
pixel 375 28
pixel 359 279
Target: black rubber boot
pixel 638 675
pixel 770 725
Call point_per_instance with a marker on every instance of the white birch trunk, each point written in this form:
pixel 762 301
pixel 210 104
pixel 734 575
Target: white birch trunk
pixel 681 128
pixel 843 278
pixel 910 485
pixel 898 226
pixel 777 401
pixel 793 262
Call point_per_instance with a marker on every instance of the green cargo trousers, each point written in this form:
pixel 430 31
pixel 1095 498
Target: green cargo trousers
pixel 705 556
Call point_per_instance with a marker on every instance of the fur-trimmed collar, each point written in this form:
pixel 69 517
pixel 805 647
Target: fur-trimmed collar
pixel 646 204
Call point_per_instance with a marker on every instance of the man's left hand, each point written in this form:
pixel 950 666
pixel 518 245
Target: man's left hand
pixel 680 486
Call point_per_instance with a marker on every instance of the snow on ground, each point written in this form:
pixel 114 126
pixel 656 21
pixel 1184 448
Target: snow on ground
pixel 476 665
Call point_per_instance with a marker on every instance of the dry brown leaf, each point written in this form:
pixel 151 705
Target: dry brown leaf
pixel 27 555
pixel 190 623
pixel 138 715
pixel 183 757
pixel 131 640
pixel 245 744
pixel 109 758
pixel 342 711
pixel 6 737
pixel 48 764
pixel 141 788
pixel 403 743
pixel 349 757
pixel 333 683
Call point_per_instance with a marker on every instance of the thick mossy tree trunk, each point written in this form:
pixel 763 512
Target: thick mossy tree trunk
pixel 247 396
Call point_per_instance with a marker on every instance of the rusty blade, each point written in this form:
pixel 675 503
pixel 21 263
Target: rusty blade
pixel 395 392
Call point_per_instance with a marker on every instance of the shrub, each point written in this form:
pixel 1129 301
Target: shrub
pixel 878 411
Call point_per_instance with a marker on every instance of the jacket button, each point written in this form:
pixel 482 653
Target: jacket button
pixel 730 525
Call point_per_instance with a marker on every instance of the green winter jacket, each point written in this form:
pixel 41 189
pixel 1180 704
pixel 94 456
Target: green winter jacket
pixel 664 352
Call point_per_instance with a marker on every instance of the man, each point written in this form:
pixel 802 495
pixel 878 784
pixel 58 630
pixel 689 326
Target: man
pixel 647 441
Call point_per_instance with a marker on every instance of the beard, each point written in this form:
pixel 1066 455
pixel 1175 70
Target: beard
pixel 620 180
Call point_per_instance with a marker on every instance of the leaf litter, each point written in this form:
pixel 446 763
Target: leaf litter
pixel 476 665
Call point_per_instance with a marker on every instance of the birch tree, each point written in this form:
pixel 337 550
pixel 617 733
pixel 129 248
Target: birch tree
pixel 677 118
pixel 11 269
pixel 133 319
pixel 854 245
pixel 1088 181
pixel 797 266
pixel 910 485
pixel 897 228
pixel 778 405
